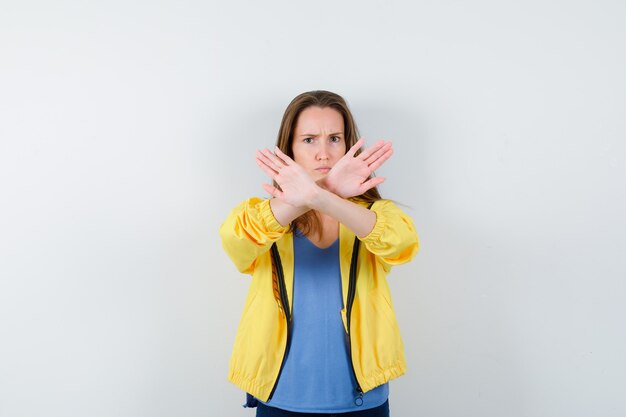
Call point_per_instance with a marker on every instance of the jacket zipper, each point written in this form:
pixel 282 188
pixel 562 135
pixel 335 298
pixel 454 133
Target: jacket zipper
pixel 351 294
pixel 285 302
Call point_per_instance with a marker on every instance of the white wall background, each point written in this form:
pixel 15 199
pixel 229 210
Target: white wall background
pixel 128 131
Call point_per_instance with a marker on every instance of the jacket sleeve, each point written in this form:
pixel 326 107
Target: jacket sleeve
pixel 249 231
pixel 393 239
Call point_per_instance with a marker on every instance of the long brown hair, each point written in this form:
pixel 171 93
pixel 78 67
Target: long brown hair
pixel 309 222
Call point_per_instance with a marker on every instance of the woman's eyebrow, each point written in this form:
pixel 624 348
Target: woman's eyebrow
pixel 317 134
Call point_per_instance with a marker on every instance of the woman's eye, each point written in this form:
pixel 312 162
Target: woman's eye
pixel 307 140
pixel 335 139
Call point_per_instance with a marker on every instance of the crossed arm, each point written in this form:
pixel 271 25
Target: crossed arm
pixel 349 177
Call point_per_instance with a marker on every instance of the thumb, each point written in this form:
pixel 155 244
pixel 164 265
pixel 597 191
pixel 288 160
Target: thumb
pixel 271 190
pixel 371 183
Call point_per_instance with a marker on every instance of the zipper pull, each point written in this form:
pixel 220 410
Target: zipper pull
pixel 358 400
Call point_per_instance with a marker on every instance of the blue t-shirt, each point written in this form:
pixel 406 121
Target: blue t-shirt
pixel 317 375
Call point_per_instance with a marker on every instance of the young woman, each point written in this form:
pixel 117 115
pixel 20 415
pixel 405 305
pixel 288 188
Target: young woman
pixel 318 334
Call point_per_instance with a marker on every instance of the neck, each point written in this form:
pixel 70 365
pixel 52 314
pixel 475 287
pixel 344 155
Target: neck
pixel 323 232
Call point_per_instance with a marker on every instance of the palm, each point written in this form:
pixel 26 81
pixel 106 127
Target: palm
pixel 349 176
pixel 296 186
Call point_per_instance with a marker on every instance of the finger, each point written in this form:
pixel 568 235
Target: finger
pixel 265 160
pixel 381 160
pixel 384 145
pixel 359 143
pixel 266 168
pixel 371 183
pixel 372 149
pixel 283 156
pixel 274 162
pixel 273 191
pixel 377 153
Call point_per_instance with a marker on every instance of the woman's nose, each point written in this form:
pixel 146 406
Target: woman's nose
pixel 322 152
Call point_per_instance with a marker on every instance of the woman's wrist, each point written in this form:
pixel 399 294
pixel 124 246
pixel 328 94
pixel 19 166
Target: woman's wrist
pixel 325 184
pixel 319 199
pixel 357 218
pixel 285 213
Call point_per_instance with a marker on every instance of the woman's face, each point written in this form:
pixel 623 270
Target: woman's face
pixel 318 140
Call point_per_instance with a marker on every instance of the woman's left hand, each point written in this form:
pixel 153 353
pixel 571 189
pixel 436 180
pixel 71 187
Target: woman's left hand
pixel 349 176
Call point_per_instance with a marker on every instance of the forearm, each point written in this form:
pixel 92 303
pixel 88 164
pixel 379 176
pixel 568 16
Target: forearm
pixel 286 213
pixel 357 218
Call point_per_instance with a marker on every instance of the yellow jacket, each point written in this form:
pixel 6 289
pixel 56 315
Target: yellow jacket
pixel 376 346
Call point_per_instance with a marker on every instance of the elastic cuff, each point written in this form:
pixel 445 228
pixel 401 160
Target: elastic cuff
pixel 379 226
pixel 265 210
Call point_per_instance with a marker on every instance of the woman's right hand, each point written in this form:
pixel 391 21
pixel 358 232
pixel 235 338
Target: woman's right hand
pixel 297 188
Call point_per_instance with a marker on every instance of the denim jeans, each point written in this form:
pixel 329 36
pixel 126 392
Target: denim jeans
pixel 380 411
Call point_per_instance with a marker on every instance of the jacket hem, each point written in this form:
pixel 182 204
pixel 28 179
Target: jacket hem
pixel 260 391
